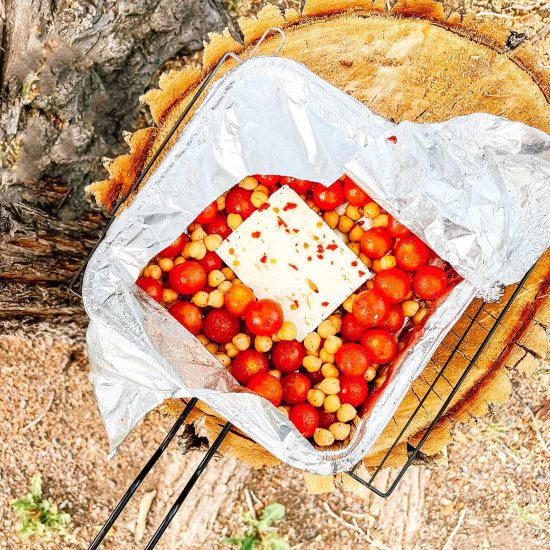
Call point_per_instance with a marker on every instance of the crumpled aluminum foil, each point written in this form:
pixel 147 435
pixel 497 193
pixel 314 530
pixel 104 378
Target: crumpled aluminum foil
pixel 468 187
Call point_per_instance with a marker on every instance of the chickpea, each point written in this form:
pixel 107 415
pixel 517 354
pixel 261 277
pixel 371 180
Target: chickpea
pixel 381 220
pixel 197 250
pixel 419 317
pixel 165 264
pixel 212 348
pixel 355 234
pixel 365 260
pixel 323 437
pixel 199 234
pixel 340 431
pixel 353 212
pixel 326 329
pixel 288 331
pixel 410 308
pixel 332 344
pixel 263 188
pixel 371 210
pixel 215 299
pixel 179 260
pixel 330 371
pixel 200 299
pixel 258 198
pixel 336 320
pixel 275 373
pixel 241 341
pixel 224 359
pixel 331 219
pixel 345 224
pixel 348 303
pixel 275 338
pixel 263 343
pixel 185 251
pixel 155 272
pixel 212 242
pixel 332 403
pixel 315 397
pixel 326 357
pixel 224 286
pixel 311 363
pixel 231 349
pixel 312 342
pixel 203 339
pixel 215 278
pixel 228 273
pixel 330 386
pixel 346 412
pixel 376 266
pixel 283 411
pixel 169 295
pixel 355 248
pixel 234 220
pixel 249 183
pixel 387 262
pixel 370 373
pixel 220 201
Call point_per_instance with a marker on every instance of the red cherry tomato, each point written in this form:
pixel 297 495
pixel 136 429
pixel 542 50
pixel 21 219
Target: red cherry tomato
pixel 237 298
pixel 295 387
pixel 352 329
pixel 326 419
pixel 187 278
pixel 267 386
pixel 208 214
pixel 268 181
pixel 352 359
pixel 263 317
pixel 430 282
pixel 220 326
pixel 247 364
pixel 287 356
pixel 150 286
pixel 370 308
pixel 175 248
pixel 305 418
pixel 380 345
pixel 354 194
pixel 237 201
pixel 376 242
pixel 395 229
pixel 328 198
pixel 393 283
pixel 395 319
pixel 188 314
pixel 411 253
pixel 218 226
pixel 299 186
pixel 210 262
pixel 315 377
pixel 353 390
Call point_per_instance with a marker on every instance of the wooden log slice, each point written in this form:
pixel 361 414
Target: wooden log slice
pixel 411 63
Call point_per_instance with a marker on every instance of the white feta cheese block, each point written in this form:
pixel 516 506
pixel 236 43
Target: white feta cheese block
pixel 286 252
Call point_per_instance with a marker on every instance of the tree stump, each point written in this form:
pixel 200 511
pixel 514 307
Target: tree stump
pixel 415 63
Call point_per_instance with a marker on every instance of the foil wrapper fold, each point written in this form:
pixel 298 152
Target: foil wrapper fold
pixel 474 188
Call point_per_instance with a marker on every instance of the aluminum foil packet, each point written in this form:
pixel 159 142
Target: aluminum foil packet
pixel 475 189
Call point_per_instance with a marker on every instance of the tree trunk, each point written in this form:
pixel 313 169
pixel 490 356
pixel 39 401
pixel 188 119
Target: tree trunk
pixel 71 74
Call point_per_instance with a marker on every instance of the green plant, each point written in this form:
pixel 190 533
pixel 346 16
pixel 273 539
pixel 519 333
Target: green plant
pixel 38 516
pixel 261 533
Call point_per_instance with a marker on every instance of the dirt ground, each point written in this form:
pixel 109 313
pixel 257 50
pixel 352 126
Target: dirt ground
pixel 493 493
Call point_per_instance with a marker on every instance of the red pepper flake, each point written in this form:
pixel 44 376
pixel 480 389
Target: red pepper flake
pixel 320 248
pixel 295 304
pixel 354 263
pixel 324 304
pixel 320 256
pixel 393 139
pixel 293 266
pixel 256 234
pixel 281 222
pixel 264 206
pixel 263 259
pixel 289 206
pixel 309 258
pixel 332 247
pixel 296 230
pixel 361 273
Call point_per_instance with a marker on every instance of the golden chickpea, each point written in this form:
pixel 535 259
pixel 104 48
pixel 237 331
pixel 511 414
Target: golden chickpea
pixel 228 273
pixel 231 349
pixel 340 431
pixel 234 220
pixel 336 320
pixel 169 295
pixel 315 397
pixel 283 411
pixel 419 317
pixel 381 220
pixel 185 251
pixel 203 339
pixel 197 250
pixel 199 234
pixel 212 348
pixel 249 183
pixel 370 373
pixel 346 412
pixel 345 224
pixel 330 386
pixel 215 299
pixel 353 212
pixel 410 308
pixel 263 343
pixel 155 272
pixel 224 359
pixel 275 373
pixel 258 198
pixel 275 338
pixel 179 260
pixel 330 371
pixel 200 299
pixel 326 329
pixel 387 262
pixel 263 188
pixel 331 219
pixel 212 242
pixel 332 344
pixel 215 278
pixel 288 331
pixel 365 260
pixel 376 266
pixel 355 234
pixel 312 342
pixel 331 403
pixel 220 201
pixel 371 210
pixel 323 437
pixel 311 363
pixel 241 341
pixel 224 286
pixel 355 248
pixel 348 302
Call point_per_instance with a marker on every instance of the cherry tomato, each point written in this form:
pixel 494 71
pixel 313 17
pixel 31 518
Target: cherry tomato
pixel 287 356
pixel 237 298
pixel 208 214
pixel 352 329
pixel 237 201
pixel 248 363
pixel 305 418
pixel 295 387
pixel 150 286
pixel 328 198
pixel 220 326
pixel 353 390
pixel 268 181
pixel 430 282
pixel 218 226
pixel 411 253
pixel 175 248
pixel 210 262
pixel 315 377
pixel 380 345
pixel 393 283
pixel 352 359
pixel 354 194
pixel 188 314
pixel 376 242
pixel 326 419
pixel 267 386
pixel 395 229
pixel 370 308
pixel 187 278
pixel 299 186
pixel 263 317
pixel 395 319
